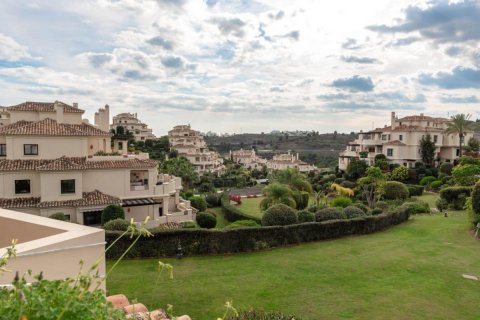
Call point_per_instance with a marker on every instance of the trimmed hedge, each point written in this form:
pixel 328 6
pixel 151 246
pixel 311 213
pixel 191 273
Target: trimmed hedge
pixel 199 203
pixel 206 220
pixel 242 224
pixel 59 216
pixel 395 190
pixel 305 216
pixel 232 214
pixel 279 215
pixel 353 212
pixel 117 225
pixel 427 180
pixel 329 214
pixel 415 190
pixel 112 212
pixel 456 196
pixel 201 241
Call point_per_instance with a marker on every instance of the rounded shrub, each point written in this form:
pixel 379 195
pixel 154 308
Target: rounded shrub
pixel 329 214
pixel 353 212
pixel 213 200
pixel 441 204
pixel 417 207
pixel 381 205
pixel 315 207
pixel 446 168
pixel 455 196
pixel 58 216
pixel 242 224
pixel 206 220
pixel 112 212
pixel 399 173
pixel 198 203
pixel 436 184
pixel 116 225
pixel 188 225
pixel 348 184
pixel 341 202
pixel 427 180
pixel 305 216
pixel 395 190
pixel 415 190
pixel 361 206
pixel 377 211
pixel 279 215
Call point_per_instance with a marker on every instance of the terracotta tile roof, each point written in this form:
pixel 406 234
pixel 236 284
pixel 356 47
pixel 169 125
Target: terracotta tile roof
pixel 43 107
pixel 395 143
pixel 11 203
pixel 74 163
pixel 94 198
pixel 423 118
pixel 50 127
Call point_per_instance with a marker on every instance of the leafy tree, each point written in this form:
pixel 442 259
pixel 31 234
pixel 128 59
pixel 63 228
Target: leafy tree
pixel 277 193
pixel 112 212
pixel 180 167
pixel 466 174
pixel 399 173
pixel 474 144
pixel 293 178
pixel 460 125
pixel 356 169
pixel 427 149
pixel 380 156
pixel 372 185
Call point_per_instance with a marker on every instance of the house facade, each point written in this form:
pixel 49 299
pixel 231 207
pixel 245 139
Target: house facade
pixel 288 160
pixel 130 122
pixel 50 162
pixel 191 145
pixel 400 142
pixel 248 159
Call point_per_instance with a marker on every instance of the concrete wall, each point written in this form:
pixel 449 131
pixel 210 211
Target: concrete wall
pixel 48 147
pixel 7 184
pixel 50 185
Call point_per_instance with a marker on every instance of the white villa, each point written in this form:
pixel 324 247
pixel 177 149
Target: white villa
pixel 400 142
pixel 48 164
pixel 190 144
pixel 248 159
pixel 288 160
pixel 130 122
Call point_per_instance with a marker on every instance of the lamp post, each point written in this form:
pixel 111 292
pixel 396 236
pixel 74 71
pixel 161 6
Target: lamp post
pixel 179 251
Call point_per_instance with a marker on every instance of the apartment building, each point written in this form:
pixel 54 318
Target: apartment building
pixel 191 145
pixel 50 162
pixel 248 159
pixel 130 122
pixel 400 141
pixel 288 160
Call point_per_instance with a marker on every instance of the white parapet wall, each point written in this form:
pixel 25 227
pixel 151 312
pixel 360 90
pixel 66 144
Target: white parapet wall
pixel 50 246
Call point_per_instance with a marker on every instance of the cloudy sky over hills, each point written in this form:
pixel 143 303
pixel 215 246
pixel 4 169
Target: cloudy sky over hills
pixel 245 66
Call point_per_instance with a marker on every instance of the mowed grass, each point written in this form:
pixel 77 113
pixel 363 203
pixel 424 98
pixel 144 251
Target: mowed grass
pixel 251 206
pixel 221 221
pixel 411 271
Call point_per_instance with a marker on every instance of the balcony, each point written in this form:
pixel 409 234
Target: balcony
pixel 138 180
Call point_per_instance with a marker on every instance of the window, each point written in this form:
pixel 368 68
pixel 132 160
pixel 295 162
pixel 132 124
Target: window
pixel 389 152
pixel 435 138
pixel 67 186
pixel 30 149
pixel 3 149
pixel 400 137
pixel 458 152
pixel 22 186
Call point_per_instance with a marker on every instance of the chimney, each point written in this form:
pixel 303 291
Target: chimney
pixel 392 120
pixel 421 114
pixel 59 111
pixel 75 105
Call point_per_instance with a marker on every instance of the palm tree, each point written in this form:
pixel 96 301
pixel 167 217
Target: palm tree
pixel 277 193
pixel 294 179
pixel 460 124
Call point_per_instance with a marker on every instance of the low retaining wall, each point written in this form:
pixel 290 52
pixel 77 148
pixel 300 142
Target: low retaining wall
pixel 203 241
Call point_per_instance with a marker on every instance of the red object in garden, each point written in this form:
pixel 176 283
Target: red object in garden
pixel 236 199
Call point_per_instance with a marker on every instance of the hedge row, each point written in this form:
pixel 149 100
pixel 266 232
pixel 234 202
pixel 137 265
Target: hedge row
pixel 232 214
pixel 201 241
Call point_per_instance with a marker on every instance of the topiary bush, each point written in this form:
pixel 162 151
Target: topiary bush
pixel 399 174
pixel 446 168
pixel 466 174
pixel 341 202
pixel 427 180
pixel 316 207
pixel 348 184
pixel 279 215
pixel 206 220
pixel 329 214
pixel 188 225
pixel 305 216
pixel 301 199
pixel 353 212
pixel 415 190
pixel 213 200
pixel 116 225
pixel 362 207
pixel 417 207
pixel 198 203
pixel 58 216
pixel 242 224
pixel 377 211
pixel 395 190
pixel 112 212
pixel 436 184
pixel 381 205
pixel 455 196
pixel 441 204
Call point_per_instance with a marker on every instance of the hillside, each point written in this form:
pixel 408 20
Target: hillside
pixel 319 149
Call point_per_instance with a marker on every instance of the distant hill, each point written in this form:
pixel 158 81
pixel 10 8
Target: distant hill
pixel 319 149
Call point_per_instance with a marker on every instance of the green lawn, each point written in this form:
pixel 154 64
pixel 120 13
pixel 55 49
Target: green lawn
pixel 221 221
pixel 251 206
pixel 430 198
pixel 411 271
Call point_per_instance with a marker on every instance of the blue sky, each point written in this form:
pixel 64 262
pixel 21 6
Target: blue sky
pixel 245 66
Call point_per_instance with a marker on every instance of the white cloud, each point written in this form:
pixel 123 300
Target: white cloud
pixel 11 50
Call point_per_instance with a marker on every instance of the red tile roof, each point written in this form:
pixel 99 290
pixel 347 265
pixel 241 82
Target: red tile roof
pixel 12 203
pixel 50 127
pixel 43 107
pixel 75 163
pixel 395 143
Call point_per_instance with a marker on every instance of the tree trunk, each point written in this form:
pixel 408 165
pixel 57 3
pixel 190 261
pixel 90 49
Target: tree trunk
pixel 460 137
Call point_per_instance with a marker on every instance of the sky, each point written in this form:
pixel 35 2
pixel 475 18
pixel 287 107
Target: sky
pixel 241 66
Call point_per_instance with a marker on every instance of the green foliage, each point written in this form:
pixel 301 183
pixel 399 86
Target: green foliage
pixel 399 173
pixel 381 205
pixel 474 144
pixel 292 178
pixel 188 225
pixel 474 210
pixel 180 167
pixel 260 315
pixel 459 125
pixel 348 184
pixel 206 220
pixel 446 168
pixel 213 200
pixel 187 195
pixel 469 160
pixel 112 212
pixel 232 213
pixel 116 225
pixel 417 207
pixel 382 164
pixel 353 212
pixel 415 190
pixel 361 206
pixel 199 203
pixel 455 196
pixel 279 215
pixel 466 174
pixel 380 156
pixel 301 199
pixel 356 169
pixel 436 184
pixel 341 202
pixel 276 193
pixel 305 216
pixel 58 216
pixel 329 214
pixel 441 204
pixel 395 190
pixel 427 149
pixel 427 180
pixel 376 211
pixel 242 224
pixel 317 207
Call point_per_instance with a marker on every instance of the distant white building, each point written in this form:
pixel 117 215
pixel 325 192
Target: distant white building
pixel 288 160
pixel 130 122
pixel 248 159
pixel 400 142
